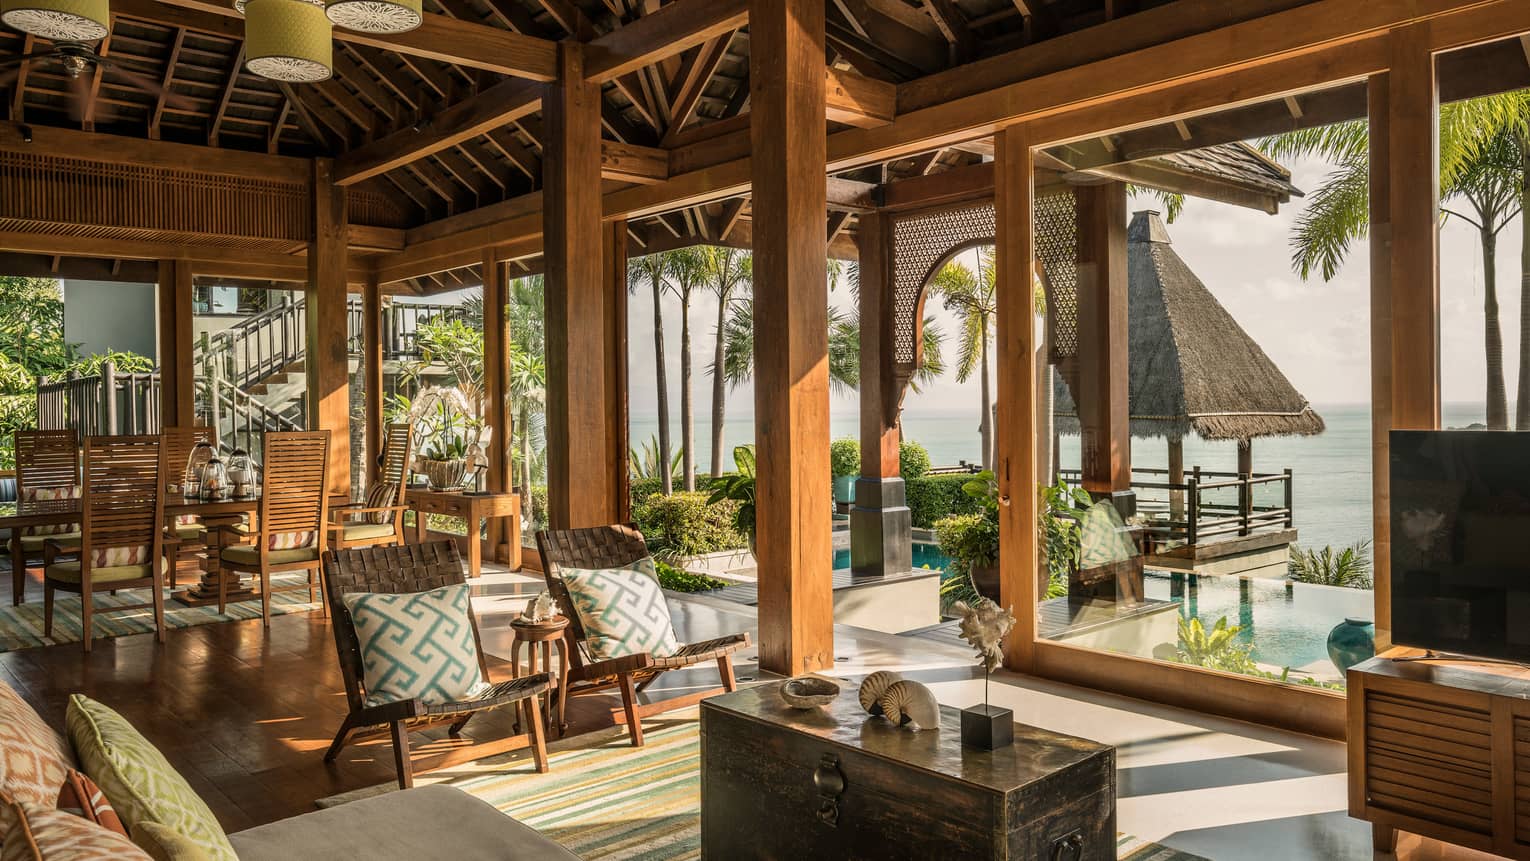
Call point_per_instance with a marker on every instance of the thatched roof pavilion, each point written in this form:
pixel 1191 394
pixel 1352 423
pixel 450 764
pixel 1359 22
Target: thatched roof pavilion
pixel 1193 368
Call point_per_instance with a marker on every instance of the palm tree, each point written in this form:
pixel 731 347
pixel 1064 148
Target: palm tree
pixel 1476 166
pixel 687 273
pixel 728 269
pixel 653 268
pixel 970 296
pixel 528 376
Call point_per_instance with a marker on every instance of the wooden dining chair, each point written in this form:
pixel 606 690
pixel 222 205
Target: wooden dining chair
pixel 188 529
pixel 121 543
pixel 378 520
pixel 405 569
pixel 289 531
pixel 47 467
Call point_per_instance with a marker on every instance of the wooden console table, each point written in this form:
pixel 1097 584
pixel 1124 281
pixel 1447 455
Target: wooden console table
pixel 474 508
pixel 835 782
pixel 1441 749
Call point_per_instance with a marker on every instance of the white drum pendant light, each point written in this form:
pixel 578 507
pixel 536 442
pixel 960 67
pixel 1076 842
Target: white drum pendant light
pixel 288 41
pixel 240 4
pixel 375 16
pixel 59 20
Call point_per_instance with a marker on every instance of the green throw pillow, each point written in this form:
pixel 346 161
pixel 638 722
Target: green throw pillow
pixel 623 610
pixel 418 645
pixel 137 780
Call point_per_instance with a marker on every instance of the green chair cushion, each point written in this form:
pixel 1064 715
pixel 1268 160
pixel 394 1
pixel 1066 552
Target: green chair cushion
pixel 365 531
pixel 417 646
pixel 68 571
pixel 141 784
pixel 34 543
pixel 191 532
pixel 622 610
pixel 249 554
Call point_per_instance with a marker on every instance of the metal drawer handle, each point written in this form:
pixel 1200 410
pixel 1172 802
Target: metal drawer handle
pixel 1069 848
pixel 830 783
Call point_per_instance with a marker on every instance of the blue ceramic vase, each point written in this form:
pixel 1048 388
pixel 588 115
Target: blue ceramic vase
pixel 1350 642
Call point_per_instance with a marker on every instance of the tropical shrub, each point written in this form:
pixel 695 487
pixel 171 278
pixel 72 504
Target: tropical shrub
pixel 679 580
pixel 739 489
pixel 1061 533
pixel 1349 567
pixel 933 497
pixel 913 460
pixel 844 457
pixel 642 488
pixel 123 362
pixel 1217 649
pixel 687 524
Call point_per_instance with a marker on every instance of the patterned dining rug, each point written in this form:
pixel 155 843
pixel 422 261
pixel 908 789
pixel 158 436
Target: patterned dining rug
pixel 608 801
pixel 22 627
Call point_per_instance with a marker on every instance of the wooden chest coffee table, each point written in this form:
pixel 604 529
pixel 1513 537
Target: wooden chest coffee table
pixel 837 783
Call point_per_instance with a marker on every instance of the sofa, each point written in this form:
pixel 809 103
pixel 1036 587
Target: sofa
pixel 102 791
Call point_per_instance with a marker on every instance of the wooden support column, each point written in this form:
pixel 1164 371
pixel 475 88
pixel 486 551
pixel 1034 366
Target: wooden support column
pixel 881 525
pixel 496 388
pixel 1017 342
pixel 791 377
pixel 326 358
pixel 1405 296
pixel 581 467
pixel 372 374
pixel 1103 408
pixel 614 259
pixel 177 400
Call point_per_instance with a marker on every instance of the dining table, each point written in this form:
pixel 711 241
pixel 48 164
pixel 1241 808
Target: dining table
pixel 213 513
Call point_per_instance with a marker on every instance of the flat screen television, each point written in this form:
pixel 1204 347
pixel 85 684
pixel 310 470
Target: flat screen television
pixel 1460 557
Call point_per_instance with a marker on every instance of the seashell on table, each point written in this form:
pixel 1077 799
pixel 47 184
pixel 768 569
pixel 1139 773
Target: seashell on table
pixel 872 688
pixel 910 702
pixel 807 692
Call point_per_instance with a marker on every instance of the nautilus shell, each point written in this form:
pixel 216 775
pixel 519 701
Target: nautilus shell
pixel 872 688
pixel 910 702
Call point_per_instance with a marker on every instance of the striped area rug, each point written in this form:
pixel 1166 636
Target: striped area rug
pixel 22 627
pixel 606 800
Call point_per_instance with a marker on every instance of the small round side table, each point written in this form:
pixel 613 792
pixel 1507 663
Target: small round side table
pixel 542 636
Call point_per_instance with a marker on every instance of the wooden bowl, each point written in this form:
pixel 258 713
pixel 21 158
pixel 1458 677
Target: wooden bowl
pixel 808 692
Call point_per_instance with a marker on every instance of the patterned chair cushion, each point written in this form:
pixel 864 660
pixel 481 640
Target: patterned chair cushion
pixel 291 540
pixel 34 760
pixel 136 777
pixel 44 834
pixel 112 557
pixel 84 799
pixel 622 610
pixel 381 495
pixel 38 493
pixel 417 645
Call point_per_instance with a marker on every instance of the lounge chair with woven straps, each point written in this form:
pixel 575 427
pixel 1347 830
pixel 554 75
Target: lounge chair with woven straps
pixel 618 547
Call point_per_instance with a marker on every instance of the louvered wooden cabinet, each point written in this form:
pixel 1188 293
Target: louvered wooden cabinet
pixel 1441 749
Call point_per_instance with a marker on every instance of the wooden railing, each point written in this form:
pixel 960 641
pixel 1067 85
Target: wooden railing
pixel 1208 504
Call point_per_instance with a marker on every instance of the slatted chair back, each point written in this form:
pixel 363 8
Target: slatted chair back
pixel 293 501
pixel 124 501
pixel 178 445
pixel 391 570
pixel 398 449
pixel 589 547
pixel 46 459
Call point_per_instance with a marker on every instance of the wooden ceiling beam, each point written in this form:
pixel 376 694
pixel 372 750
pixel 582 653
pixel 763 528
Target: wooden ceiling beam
pixel 628 163
pixel 695 74
pixel 500 104
pixel 19 88
pixel 856 100
pixel 348 105
pixel 352 73
pixel 274 141
pixel 953 26
pixel 235 69
pixel 168 77
pixel 122 150
pixel 661 34
pixel 520 155
pixel 88 112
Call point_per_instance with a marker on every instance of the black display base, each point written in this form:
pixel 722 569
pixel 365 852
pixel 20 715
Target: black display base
pixel 988 727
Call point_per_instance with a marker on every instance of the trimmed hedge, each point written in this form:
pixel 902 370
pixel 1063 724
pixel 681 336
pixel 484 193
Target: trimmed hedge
pixel 683 523
pixel 642 488
pixel 913 460
pixel 935 496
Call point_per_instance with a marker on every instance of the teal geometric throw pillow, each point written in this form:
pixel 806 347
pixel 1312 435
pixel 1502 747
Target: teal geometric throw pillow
pixel 623 610
pixel 418 645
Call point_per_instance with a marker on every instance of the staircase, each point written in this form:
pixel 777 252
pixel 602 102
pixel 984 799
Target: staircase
pixel 251 377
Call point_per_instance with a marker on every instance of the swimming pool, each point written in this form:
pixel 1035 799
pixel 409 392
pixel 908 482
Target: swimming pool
pixel 926 555
pixel 1287 628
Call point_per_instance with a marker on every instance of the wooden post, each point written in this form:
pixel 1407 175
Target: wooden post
pixel 1245 489
pixel 614 259
pixel 327 361
pixel 496 387
pixel 1405 295
pixel 1176 476
pixel 177 398
pixel 372 374
pixel 580 466
pixel 1017 337
pixel 791 377
pixel 881 524
pixel 1103 408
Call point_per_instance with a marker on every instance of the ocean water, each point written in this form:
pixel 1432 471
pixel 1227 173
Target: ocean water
pixel 1331 472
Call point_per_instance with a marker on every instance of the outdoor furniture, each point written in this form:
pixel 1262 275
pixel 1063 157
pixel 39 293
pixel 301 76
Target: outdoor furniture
pixel 47 468
pixel 188 529
pixel 405 569
pixel 379 517
pixel 542 636
pixel 122 539
pixel 613 547
pixel 291 519
pixel 474 508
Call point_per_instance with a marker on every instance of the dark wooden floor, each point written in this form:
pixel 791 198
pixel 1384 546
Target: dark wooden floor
pixel 244 713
